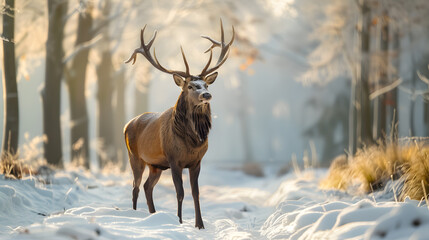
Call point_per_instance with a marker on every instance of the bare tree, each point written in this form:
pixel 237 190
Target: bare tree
pixel 364 134
pixel 343 52
pixel 10 90
pixel 141 89
pixel 51 93
pixel 75 76
pixel 380 108
pixel 119 114
pixel 105 72
pixel 392 96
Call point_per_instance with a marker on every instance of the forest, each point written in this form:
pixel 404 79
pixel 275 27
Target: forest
pixel 307 85
pixel 361 69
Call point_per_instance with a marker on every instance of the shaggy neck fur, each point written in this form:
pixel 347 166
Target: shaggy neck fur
pixel 192 123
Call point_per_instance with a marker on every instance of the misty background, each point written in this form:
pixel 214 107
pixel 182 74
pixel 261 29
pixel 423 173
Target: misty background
pixel 284 93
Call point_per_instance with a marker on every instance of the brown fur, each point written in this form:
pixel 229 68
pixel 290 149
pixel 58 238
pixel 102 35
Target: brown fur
pixel 176 139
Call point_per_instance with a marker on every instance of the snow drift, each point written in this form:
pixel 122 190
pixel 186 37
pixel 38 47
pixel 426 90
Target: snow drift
pixel 79 205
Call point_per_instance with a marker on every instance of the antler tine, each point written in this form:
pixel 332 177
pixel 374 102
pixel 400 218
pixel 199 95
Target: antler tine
pixel 221 32
pixel 142 36
pixel 214 43
pixel 184 59
pixel 210 60
pixel 233 36
pixel 133 57
pixel 144 49
pixel 149 45
pixel 224 50
pixel 163 69
pixel 158 65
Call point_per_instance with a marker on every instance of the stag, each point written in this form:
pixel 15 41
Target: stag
pixel 177 137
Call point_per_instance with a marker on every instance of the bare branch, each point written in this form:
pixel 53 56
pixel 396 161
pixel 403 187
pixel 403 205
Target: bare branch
pixel 423 78
pixel 104 23
pixel 385 89
pixel 81 47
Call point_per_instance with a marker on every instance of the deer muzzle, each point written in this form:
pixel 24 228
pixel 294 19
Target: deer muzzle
pixel 205 97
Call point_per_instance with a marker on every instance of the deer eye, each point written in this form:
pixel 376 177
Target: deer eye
pixel 189 87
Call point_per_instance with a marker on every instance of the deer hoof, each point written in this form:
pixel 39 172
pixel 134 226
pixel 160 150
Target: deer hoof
pixel 199 225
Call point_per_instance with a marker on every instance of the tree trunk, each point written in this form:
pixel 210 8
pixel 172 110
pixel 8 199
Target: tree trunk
pixel 120 118
pixel 141 90
pixel 383 80
pixel 243 117
pixel 426 116
pixel 425 72
pixel 413 87
pixel 51 94
pixel 10 89
pixel 352 123
pixel 75 80
pixel 364 116
pixel 105 110
pixel 392 96
pixel 106 134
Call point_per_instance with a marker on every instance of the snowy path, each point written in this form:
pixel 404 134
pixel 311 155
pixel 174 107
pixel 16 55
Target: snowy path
pixel 79 205
pixel 232 205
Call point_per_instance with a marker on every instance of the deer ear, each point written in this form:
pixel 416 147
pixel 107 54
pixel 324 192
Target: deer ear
pixel 211 78
pixel 178 80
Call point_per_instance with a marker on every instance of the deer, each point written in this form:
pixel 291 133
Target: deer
pixel 178 137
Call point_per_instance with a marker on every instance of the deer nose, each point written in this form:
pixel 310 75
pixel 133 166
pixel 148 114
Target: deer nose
pixel 207 96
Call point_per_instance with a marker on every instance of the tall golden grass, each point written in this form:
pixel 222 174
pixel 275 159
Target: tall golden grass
pixel 372 167
pixel 26 161
pixel 10 166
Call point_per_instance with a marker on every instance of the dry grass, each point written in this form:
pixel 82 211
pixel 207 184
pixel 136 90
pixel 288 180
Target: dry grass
pixel 372 167
pixel 337 172
pixel 10 166
pixel 27 161
pixel 417 173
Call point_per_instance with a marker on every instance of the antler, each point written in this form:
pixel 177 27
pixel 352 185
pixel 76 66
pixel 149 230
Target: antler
pixel 144 49
pixel 223 53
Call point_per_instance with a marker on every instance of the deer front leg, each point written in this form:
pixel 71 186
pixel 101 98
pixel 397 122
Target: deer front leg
pixel 194 172
pixel 176 173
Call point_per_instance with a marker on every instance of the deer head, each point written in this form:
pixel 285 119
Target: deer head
pixel 195 87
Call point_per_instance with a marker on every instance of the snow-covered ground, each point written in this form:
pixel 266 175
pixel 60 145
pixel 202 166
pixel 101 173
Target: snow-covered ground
pixel 78 205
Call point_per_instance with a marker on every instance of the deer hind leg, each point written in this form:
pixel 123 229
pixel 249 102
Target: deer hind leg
pixel 137 165
pixel 152 180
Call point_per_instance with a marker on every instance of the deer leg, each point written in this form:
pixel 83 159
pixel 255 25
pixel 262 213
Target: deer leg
pixel 151 181
pixel 194 172
pixel 137 165
pixel 176 173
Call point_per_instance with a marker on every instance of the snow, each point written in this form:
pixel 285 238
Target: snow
pixel 74 204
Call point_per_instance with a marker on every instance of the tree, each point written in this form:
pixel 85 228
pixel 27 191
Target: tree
pixel 334 115
pixel 105 72
pixel 119 113
pixel 343 53
pixel 141 89
pixel 10 90
pixel 363 104
pixel 75 76
pixel 51 93
pixel 379 109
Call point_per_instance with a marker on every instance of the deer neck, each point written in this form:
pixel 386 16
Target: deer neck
pixel 192 123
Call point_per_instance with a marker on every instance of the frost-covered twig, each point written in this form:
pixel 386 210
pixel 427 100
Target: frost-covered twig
pixel 423 78
pixel 385 89
pixel 81 47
